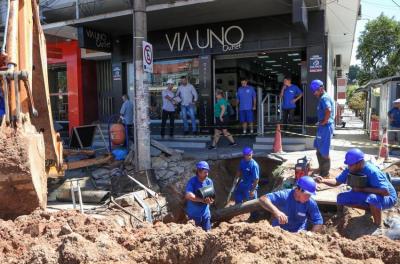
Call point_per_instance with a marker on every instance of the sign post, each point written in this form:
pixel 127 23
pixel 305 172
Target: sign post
pixel 147 57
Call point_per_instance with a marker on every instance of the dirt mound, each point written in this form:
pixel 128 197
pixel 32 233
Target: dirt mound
pixel 69 237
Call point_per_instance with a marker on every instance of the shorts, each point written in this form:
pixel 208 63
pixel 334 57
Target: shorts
pixel 246 116
pixel 365 199
pixel 323 139
pixel 203 221
pixel 221 124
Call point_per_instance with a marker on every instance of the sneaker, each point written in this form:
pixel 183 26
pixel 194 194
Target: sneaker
pixel 212 147
pixel 233 144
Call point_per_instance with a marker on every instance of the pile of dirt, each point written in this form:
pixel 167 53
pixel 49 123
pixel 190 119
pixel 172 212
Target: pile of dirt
pixel 394 169
pixel 69 237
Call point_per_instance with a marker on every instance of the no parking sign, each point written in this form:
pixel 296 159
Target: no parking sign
pixel 147 57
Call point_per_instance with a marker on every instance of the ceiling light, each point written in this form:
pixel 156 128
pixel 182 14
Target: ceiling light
pixel 263 57
pixel 296 59
pixel 276 65
pixel 271 61
pixel 268 69
pixel 293 54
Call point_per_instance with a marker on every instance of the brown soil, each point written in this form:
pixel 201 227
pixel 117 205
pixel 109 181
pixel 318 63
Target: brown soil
pixel 394 169
pixel 23 185
pixel 69 237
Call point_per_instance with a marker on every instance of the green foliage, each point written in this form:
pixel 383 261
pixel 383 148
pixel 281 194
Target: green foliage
pixel 379 49
pixel 353 74
pixel 357 101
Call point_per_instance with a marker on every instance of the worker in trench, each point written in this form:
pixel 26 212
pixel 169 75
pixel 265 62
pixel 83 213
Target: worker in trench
pixel 326 126
pixel 197 207
pixel 293 208
pixel 249 174
pixel 379 193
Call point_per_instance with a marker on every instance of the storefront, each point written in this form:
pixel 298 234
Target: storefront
pixel 217 56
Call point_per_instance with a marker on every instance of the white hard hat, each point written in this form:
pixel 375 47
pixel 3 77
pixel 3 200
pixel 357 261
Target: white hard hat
pixel 170 81
pixel 396 101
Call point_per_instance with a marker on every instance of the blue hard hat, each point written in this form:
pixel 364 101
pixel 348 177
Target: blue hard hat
pixel 353 156
pixel 202 165
pixel 315 85
pixel 307 184
pixel 247 151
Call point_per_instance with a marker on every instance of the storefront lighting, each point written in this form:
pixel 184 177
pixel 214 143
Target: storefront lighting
pixel 263 57
pixel 276 65
pixel 293 54
pixel 296 59
pixel 271 61
pixel 268 69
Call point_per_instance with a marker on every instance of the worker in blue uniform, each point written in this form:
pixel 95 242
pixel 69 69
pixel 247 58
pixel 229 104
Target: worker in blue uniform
pixel 377 196
pixel 293 208
pixel 197 208
pixel 249 174
pixel 326 126
pixel 394 122
pixel 2 106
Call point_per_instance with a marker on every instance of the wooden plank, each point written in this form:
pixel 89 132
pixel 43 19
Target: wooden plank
pixel 327 196
pixel 87 162
pixel 162 147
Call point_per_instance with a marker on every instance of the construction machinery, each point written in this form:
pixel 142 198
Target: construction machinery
pixel 30 149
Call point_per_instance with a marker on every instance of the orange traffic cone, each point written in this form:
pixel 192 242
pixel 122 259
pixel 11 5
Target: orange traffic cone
pixel 278 140
pixel 383 149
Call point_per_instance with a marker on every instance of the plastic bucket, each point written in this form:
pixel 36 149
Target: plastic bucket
pixel 207 191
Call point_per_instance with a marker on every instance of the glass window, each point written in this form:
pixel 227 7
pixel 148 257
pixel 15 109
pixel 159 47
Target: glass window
pixel 170 69
pixel 59 97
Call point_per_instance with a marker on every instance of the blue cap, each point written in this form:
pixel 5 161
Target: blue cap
pixel 315 85
pixel 247 151
pixel 353 156
pixel 202 165
pixel 307 184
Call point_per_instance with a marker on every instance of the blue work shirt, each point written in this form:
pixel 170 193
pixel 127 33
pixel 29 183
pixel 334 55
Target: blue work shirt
pixel 289 94
pixel 127 112
pixel 250 172
pixel 326 102
pixel 375 179
pixel 297 213
pixel 197 209
pixel 246 95
pixel 395 113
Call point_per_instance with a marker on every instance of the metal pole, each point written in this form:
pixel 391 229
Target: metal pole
pixel 269 108
pixel 259 113
pixel 76 9
pixel 141 90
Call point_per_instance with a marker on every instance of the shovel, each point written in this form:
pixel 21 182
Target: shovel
pixel 235 182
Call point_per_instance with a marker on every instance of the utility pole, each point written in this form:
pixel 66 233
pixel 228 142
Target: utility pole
pixel 141 89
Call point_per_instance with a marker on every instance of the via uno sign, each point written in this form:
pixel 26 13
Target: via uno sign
pixel 93 39
pixel 229 39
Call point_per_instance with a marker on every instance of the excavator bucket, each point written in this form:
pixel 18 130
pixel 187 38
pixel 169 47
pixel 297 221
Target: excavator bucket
pixel 29 146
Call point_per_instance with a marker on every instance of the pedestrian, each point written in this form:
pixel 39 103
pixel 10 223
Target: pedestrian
pixel 394 122
pixel 246 97
pixel 188 96
pixel 249 174
pixel 221 120
pixel 168 108
pixel 379 193
pixel 290 94
pixel 126 115
pixel 197 208
pixel 292 208
pixel 326 126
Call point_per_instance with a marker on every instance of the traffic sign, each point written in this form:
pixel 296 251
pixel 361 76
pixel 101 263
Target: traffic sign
pixel 147 57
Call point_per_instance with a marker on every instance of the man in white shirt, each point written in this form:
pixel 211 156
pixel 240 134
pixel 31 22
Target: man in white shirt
pixel 188 96
pixel 168 109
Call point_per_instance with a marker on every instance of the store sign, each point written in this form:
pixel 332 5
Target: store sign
pixel 316 64
pixel 228 39
pixel 147 57
pixel 116 73
pixel 92 39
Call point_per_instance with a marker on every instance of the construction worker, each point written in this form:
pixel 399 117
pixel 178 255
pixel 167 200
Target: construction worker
pixel 249 174
pixel 246 98
pixel 292 208
pixel 126 114
pixel 394 121
pixel 290 94
pixel 2 107
pixel 197 208
pixel 326 126
pixel 377 196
